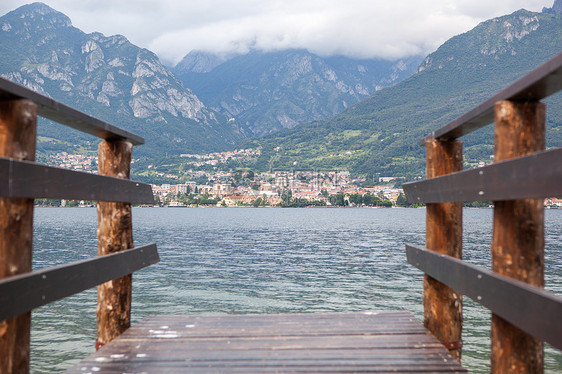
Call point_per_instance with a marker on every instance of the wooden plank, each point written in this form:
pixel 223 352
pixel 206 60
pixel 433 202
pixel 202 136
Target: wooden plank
pixel 274 343
pixel 281 329
pixel 442 306
pixel 396 343
pixel 63 114
pixel 22 293
pixel 533 309
pixel 538 175
pixel 18 129
pixel 536 85
pixel 518 234
pixel 24 179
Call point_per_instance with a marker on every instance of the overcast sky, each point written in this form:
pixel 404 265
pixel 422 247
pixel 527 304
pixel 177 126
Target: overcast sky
pixel 356 28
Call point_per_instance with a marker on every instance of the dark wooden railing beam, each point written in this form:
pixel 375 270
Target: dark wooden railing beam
pixel 518 178
pixel 443 305
pixel 61 113
pixel 30 180
pixel 534 86
pixel 22 293
pixel 18 129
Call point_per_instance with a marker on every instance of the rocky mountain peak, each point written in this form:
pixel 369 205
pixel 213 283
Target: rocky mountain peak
pixel 199 62
pixel 556 8
pixel 34 18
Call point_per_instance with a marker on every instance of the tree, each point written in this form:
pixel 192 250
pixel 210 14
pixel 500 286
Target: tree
pixel 402 201
pixel 356 199
pixel 338 200
pixel 286 196
pixel 386 203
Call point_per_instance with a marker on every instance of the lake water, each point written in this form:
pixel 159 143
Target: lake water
pixel 248 260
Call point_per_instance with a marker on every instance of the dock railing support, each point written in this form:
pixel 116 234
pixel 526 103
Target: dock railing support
pixel 115 234
pixel 22 180
pixel 442 304
pixel 518 234
pixel 18 127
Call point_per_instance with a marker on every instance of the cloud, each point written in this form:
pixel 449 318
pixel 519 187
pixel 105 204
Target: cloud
pixel 357 28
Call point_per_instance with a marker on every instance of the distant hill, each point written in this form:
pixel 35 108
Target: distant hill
pixel 107 77
pixel 270 91
pixel 380 135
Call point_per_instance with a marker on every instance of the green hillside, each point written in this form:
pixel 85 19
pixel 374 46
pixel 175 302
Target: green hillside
pixel 381 134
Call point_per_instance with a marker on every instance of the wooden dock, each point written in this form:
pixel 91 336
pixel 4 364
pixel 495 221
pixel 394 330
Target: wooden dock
pixel 381 342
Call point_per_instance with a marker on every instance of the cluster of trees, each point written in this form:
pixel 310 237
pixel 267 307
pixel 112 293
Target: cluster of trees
pixel 51 202
pixel 192 199
pixel 335 200
pixel 368 200
pixel 58 203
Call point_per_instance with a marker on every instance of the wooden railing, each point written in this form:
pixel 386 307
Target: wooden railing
pixel 522 176
pixel 21 181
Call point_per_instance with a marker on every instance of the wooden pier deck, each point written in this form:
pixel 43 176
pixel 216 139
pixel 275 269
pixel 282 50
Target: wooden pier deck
pixel 382 342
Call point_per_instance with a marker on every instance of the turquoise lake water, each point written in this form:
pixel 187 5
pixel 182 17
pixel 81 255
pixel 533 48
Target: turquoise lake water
pixel 247 260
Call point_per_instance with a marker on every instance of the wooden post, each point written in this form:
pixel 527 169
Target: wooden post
pixel 18 129
pixel 442 305
pixel 518 235
pixel 115 233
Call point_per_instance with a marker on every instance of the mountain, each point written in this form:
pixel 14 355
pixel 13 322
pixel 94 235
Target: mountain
pixel 198 62
pixel 269 91
pixel 556 8
pixel 380 135
pixel 109 78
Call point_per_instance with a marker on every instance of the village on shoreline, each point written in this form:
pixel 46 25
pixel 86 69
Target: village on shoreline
pixel 211 186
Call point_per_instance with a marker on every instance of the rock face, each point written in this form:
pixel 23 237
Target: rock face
pixel 556 8
pixel 105 76
pixel 271 91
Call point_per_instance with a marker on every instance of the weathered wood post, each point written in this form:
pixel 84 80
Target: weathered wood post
pixel 115 233
pixel 518 235
pixel 442 304
pixel 18 129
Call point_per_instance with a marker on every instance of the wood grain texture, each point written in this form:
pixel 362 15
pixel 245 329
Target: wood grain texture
pixel 518 234
pixel 389 341
pixel 115 233
pixel 442 304
pixel 18 128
